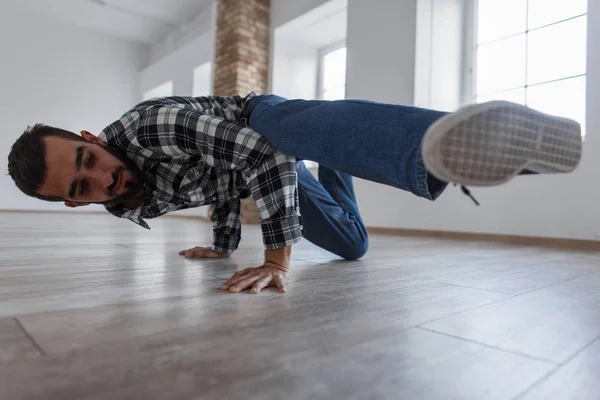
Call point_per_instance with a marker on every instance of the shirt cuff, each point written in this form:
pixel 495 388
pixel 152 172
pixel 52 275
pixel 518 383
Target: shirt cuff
pixel 225 244
pixel 283 232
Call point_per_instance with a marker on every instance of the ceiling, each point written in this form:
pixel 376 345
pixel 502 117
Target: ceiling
pixel 144 21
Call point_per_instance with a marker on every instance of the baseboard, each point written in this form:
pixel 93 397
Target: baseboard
pixel 579 244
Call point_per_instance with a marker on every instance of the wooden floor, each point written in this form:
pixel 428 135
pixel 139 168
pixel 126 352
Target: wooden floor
pixel 93 307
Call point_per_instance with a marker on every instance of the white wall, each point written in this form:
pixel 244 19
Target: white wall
pixel 179 66
pixel 382 53
pixel 183 56
pixel 59 75
pixel 381 47
pixel 200 24
pixel 283 11
pixel 176 57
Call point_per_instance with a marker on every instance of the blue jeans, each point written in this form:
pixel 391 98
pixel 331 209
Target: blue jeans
pixel 369 140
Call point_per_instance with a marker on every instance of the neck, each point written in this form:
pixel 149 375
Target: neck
pixel 134 203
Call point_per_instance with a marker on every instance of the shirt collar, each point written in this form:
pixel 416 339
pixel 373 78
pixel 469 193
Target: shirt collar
pixel 134 214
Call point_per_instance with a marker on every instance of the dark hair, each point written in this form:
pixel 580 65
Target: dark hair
pixel 27 162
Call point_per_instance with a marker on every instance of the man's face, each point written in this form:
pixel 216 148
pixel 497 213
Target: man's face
pixel 84 172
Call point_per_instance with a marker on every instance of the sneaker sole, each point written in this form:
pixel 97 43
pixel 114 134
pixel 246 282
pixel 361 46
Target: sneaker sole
pixel 490 143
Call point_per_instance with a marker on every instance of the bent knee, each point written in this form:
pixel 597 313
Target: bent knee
pixel 355 251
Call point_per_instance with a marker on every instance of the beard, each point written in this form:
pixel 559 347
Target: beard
pixel 133 187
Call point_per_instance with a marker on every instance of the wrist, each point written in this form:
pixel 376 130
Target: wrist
pixel 270 264
pixel 279 258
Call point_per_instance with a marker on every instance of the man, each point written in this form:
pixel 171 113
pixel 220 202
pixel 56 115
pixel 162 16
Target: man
pixel 173 153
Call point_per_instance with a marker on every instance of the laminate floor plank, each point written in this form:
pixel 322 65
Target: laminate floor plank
pixel 576 380
pixel 551 323
pixel 14 343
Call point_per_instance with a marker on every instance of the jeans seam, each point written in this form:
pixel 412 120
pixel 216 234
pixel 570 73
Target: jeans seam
pixel 421 177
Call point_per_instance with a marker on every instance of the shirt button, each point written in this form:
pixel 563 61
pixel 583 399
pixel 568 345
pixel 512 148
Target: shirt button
pixel 301 227
pixel 214 199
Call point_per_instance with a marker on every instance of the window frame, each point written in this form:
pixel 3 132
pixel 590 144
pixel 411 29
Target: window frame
pixel 469 57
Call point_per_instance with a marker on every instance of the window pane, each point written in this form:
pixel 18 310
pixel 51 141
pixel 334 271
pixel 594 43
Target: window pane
pixel 557 51
pixel 515 96
pixel 563 98
pixel 544 12
pixel 501 65
pixel 334 93
pixel 498 19
pixel 334 68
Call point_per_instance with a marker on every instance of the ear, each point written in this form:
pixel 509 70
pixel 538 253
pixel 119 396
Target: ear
pixel 92 138
pixel 73 204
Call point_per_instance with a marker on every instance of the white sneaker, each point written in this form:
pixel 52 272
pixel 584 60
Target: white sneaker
pixel 490 143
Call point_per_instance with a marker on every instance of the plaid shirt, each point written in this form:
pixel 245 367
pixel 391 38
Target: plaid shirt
pixel 198 151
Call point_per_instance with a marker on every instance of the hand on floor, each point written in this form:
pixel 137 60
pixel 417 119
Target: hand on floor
pixel 202 252
pixel 258 278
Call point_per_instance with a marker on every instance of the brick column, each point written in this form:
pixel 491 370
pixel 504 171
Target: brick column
pixel 242 47
pixel 242 58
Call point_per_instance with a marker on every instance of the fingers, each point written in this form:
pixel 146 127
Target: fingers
pixel 194 252
pixel 261 284
pixel 201 252
pixel 183 252
pixel 256 278
pixel 245 283
pixel 279 283
pixel 235 278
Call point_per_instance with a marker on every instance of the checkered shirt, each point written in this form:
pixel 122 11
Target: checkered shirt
pixel 196 151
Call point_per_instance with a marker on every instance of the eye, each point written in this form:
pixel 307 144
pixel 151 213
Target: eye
pixel 90 160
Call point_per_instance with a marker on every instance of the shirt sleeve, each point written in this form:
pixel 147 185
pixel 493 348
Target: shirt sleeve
pixel 226 226
pixel 180 132
pixel 274 188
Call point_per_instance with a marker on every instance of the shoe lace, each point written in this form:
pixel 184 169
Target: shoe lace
pixel 468 193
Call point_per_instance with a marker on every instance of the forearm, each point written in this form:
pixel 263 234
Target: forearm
pixel 279 258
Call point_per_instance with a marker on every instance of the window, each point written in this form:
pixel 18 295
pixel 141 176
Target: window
pixel 202 80
pixel 532 52
pixel 332 73
pixel 163 90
